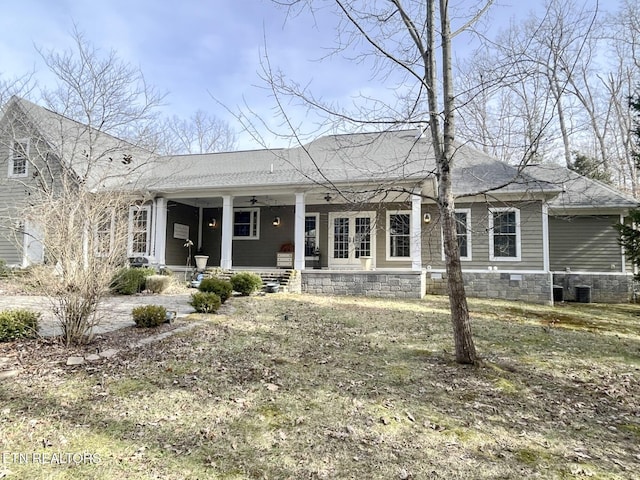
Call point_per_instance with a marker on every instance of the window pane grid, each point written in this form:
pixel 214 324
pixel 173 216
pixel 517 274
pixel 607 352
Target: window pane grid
pixel 341 238
pixel 140 234
pixel 19 159
pixel 505 234
pixel 363 237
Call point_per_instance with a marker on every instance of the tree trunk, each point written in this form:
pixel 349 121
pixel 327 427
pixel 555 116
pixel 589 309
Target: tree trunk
pixel 463 338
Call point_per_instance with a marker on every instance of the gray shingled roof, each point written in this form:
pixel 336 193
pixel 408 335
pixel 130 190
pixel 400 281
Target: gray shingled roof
pixel 374 158
pixel 71 141
pixel 341 159
pixel 578 192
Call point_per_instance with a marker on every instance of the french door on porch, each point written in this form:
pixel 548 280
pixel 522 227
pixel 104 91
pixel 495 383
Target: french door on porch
pixel 351 236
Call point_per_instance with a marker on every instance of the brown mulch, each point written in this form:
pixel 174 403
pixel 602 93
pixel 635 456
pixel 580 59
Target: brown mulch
pixel 43 353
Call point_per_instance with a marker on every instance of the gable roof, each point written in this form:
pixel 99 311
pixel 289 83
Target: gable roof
pixel 96 158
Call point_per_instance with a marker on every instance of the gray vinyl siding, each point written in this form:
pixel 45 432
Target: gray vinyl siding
pixel 262 252
pixel 531 238
pixel 585 243
pixel 15 191
pixel 176 253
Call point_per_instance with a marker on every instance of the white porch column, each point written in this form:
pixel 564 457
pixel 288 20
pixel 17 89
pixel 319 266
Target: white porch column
pixel 160 230
pixel 545 237
pixel 298 263
pixel 416 232
pixel 227 232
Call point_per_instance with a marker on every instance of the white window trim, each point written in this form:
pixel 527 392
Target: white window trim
pixel 257 229
pixel 11 159
pixel 469 257
pixel 389 258
pixel 132 210
pixel 317 216
pixel 493 258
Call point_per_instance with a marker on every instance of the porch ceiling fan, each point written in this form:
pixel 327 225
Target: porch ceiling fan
pixel 253 200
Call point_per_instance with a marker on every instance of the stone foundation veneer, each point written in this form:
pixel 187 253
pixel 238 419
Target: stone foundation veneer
pixel 379 283
pixel 605 288
pixel 527 287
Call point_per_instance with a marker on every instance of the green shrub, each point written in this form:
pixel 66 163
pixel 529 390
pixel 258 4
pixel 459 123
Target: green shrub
pixel 157 283
pixel 245 283
pixel 18 323
pixel 220 287
pixel 128 281
pixel 149 315
pixel 205 302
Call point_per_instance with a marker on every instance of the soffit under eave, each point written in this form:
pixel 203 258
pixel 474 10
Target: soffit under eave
pixel 587 210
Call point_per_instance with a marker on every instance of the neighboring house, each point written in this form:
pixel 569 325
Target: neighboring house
pixel 355 214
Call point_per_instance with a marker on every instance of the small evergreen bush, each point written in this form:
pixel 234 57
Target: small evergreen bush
pixel 18 323
pixel 157 283
pixel 220 287
pixel 149 315
pixel 245 283
pixel 205 302
pixel 128 281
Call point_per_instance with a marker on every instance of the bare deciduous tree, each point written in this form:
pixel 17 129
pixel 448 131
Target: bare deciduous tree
pixel 409 44
pixel 77 179
pixel 200 133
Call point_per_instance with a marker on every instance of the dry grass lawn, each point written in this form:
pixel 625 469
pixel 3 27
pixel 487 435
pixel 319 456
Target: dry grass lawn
pixel 309 387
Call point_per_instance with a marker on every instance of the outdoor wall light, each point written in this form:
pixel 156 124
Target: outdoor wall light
pixel 426 218
pixel 213 223
pixel 276 222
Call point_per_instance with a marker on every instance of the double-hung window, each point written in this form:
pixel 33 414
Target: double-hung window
pixel 463 232
pixel 504 234
pixel 246 223
pixel 399 235
pixel 104 234
pixel 139 231
pixel 311 225
pixel 18 162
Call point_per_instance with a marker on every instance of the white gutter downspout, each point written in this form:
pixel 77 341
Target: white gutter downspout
pixel 545 238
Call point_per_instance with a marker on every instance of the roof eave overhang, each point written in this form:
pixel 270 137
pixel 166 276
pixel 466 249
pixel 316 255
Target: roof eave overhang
pixel 577 210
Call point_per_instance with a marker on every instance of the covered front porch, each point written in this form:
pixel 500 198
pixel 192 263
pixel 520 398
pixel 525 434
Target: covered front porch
pixel 276 230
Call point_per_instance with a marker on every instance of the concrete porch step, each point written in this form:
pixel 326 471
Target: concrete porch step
pixel 279 276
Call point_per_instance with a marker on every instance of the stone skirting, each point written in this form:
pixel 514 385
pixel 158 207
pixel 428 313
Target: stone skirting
pixel 379 283
pixel 605 288
pixel 527 287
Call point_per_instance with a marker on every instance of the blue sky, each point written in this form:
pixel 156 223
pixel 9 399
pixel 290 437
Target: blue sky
pixel 193 49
